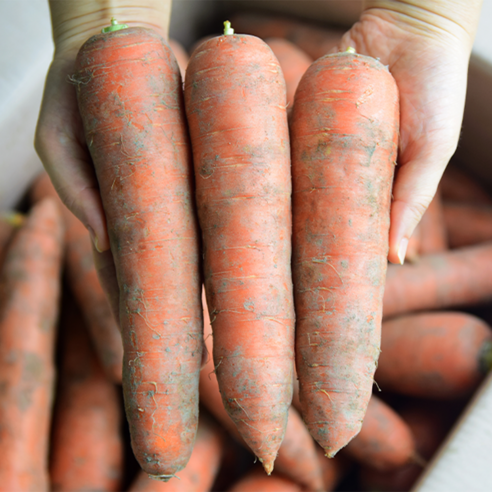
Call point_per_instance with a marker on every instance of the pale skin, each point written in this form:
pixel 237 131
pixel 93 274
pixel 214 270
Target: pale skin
pixel 425 43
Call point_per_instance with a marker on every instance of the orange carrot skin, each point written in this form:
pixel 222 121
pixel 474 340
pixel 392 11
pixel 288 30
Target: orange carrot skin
pixel 313 40
pixel 201 470
pixel 86 446
pixel 256 481
pixel 29 297
pixel 130 98
pixel 434 355
pixel 433 233
pixel 235 103
pixel 467 224
pixel 385 441
pixel 83 279
pixel 296 458
pixel 344 131
pixel 461 277
pixel 293 61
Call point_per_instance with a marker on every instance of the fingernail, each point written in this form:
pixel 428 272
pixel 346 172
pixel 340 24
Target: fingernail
pixel 402 250
pixel 94 238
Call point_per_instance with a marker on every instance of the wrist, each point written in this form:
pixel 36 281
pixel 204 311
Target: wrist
pixel 75 22
pixel 432 18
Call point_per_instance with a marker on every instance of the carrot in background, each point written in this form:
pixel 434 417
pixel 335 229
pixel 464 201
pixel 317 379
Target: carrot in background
pixel 459 277
pixel 29 297
pixel 385 441
pixel 9 222
pixel 129 93
pixel 433 233
pixel 315 41
pixel 467 224
pixel 332 469
pixel 296 458
pixel 344 130
pixel 180 55
pixel 255 481
pixel 434 355
pixel 293 62
pixel 458 186
pixel 201 470
pixel 235 104
pixel 83 279
pixel 86 445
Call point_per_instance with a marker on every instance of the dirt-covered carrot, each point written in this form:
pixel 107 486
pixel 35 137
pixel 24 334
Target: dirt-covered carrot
pixel 180 55
pixel 458 186
pixel 459 277
pixel 467 224
pixel 129 93
pixel 86 444
pixel 29 296
pixel 293 62
pixel 434 355
pixel 9 222
pixel 235 103
pixel 433 233
pixel 83 279
pixel 385 441
pixel 255 481
pixel 296 458
pixel 201 470
pixel 315 41
pixel 344 130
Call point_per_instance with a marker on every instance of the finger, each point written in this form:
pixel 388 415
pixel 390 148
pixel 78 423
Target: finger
pixel 60 145
pixel 106 271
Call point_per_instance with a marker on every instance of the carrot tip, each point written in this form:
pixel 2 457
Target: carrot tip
pixel 268 467
pixel 162 478
pixel 15 219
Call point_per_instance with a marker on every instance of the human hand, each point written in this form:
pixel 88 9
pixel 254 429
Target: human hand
pixel 427 52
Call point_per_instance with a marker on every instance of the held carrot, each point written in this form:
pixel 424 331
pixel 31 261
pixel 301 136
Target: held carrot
pixel 452 278
pixel 86 446
pixel 293 62
pixel 256 481
pixel 83 279
pixel 235 103
pixel 29 296
pixel 296 458
pixel 458 186
pixel 344 130
pixel 201 470
pixel 434 355
pixel 130 99
pixel 385 441
pixel 433 233
pixel 467 224
pixel 315 41
pixel 180 55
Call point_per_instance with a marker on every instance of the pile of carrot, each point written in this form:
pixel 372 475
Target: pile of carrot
pixel 246 323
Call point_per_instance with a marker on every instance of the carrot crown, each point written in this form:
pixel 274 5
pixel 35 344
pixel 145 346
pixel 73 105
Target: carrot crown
pixel 114 26
pixel 228 30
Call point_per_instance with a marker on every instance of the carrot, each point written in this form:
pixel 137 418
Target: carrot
pixel 9 222
pixel 201 470
pixel 458 186
pixel 385 441
pixel 130 99
pixel 434 355
pixel 29 295
pixel 86 446
pixel 451 278
pixel 255 481
pixel 315 41
pixel 296 458
pixel 235 103
pixel 293 62
pixel 333 470
pixel 180 55
pixel 467 224
pixel 433 233
pixel 344 130
pixel 83 279
pixel 200 41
